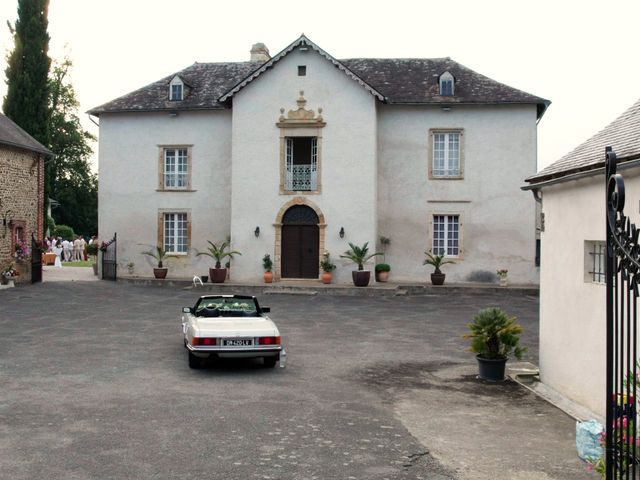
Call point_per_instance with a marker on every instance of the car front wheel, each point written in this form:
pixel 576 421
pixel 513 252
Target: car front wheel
pixel 269 362
pixel 194 362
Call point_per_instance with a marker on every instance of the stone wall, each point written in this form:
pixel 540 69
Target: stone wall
pixel 21 203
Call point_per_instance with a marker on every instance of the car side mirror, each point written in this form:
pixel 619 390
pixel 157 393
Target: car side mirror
pixel 187 310
pixel 265 309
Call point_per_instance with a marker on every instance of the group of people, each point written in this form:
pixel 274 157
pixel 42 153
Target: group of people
pixel 74 250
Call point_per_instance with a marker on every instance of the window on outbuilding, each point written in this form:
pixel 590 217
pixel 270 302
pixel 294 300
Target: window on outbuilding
pixel 447 84
pixel 302 70
pixel 594 261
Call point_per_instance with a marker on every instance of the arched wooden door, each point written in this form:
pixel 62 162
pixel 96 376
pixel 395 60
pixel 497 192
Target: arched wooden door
pixel 300 243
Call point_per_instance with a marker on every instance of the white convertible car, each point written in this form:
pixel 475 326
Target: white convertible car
pixel 229 326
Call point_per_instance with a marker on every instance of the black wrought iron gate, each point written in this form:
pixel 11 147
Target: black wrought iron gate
pixel 36 260
pixel 623 267
pixel 109 259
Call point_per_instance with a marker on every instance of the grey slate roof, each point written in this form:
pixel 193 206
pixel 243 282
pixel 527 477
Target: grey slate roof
pixel 405 81
pixel 207 82
pixel 14 136
pixel 623 135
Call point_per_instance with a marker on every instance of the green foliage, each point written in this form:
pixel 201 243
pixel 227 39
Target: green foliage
pixel 158 253
pixel 494 335
pixel 326 264
pixel 383 267
pixel 218 252
pixel 92 249
pixel 26 102
pixel 267 264
pixel 436 261
pixel 64 231
pixel 69 178
pixel 359 255
pixel 51 225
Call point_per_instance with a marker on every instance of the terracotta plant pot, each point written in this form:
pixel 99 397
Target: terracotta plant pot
pixel 268 277
pixel 160 272
pixel 382 277
pixel 361 278
pixel 218 275
pixel 327 277
pixel 437 278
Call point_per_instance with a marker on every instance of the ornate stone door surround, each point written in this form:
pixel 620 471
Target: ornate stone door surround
pixel 278 226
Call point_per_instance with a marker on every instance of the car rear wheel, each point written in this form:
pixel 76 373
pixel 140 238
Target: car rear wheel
pixel 194 362
pixel 269 362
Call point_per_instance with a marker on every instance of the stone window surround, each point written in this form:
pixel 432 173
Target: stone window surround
pixel 17 226
pixel 277 257
pixel 300 123
pixel 160 235
pixel 432 132
pixel 161 153
pixel 445 211
pixel 446 77
pixel 176 81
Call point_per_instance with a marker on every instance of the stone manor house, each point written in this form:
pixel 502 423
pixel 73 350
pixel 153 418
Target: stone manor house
pixel 301 153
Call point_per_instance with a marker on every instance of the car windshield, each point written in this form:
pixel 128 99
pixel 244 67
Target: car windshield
pixel 226 307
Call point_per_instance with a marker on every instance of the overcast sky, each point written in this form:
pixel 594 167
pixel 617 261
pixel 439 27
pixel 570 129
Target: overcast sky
pixel 581 55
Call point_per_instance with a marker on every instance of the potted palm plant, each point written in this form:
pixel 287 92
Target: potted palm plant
pixel 159 254
pixel 494 337
pixel 267 264
pixel 218 253
pixel 327 267
pixel 436 261
pixel 360 256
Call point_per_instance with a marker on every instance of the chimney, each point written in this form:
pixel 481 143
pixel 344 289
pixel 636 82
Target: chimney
pixel 260 53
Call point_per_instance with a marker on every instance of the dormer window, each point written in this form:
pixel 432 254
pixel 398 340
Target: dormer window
pixel 446 84
pixel 176 89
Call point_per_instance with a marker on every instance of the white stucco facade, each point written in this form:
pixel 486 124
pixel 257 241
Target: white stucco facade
pixel 572 306
pixel 373 177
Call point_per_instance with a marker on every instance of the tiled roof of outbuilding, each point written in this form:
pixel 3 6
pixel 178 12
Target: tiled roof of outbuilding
pixel 14 136
pixel 406 81
pixel 623 134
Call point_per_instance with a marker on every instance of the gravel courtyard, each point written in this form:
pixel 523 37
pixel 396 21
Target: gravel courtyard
pixel 95 384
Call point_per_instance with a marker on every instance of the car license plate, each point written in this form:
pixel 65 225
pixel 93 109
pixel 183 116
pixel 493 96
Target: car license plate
pixel 241 342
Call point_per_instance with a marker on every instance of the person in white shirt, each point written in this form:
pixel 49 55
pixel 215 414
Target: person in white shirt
pixel 67 246
pixel 76 250
pixel 83 249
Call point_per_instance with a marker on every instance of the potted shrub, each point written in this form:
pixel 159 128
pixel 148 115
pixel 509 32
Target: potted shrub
pixel 159 255
pixel 327 267
pixel 502 276
pixel 494 337
pixel 267 264
pixel 436 261
pixel 359 256
pixel 382 272
pixel 218 253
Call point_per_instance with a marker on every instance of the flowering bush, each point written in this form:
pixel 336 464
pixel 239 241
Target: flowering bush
pixel 22 249
pixel 623 439
pixel 10 271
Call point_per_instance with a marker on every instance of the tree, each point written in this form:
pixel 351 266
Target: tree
pixel 70 180
pixel 27 99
